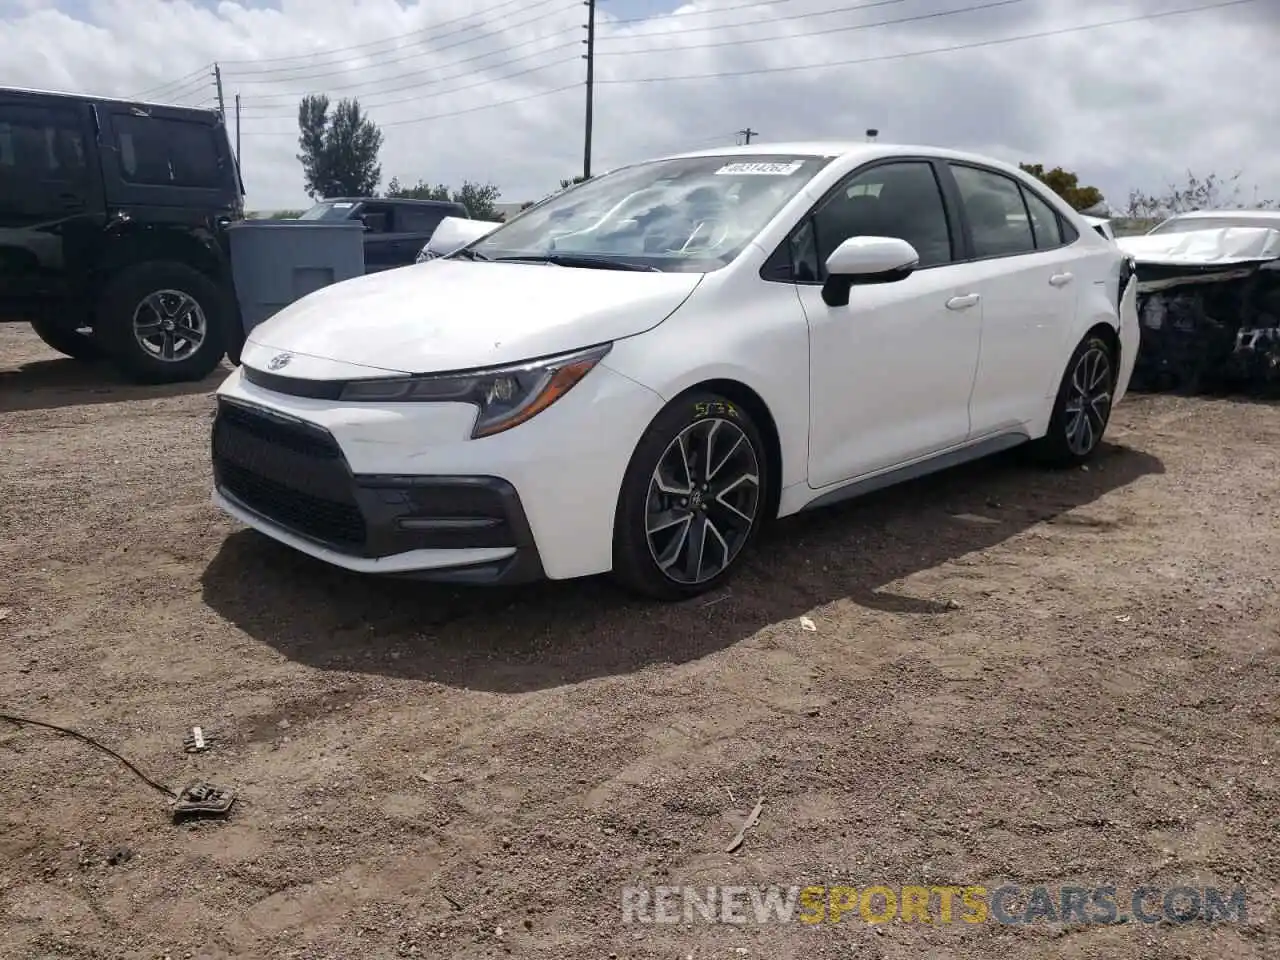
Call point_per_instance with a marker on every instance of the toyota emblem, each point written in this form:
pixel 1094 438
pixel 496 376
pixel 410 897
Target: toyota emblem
pixel 279 361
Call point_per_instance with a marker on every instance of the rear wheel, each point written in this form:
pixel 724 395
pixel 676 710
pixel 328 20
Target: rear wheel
pixel 692 499
pixel 1083 406
pixel 67 341
pixel 162 322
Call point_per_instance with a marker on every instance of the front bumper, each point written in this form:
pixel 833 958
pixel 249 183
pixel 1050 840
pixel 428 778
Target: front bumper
pixel 403 489
pixel 290 479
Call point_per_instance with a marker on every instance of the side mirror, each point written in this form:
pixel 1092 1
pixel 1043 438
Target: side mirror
pixel 863 260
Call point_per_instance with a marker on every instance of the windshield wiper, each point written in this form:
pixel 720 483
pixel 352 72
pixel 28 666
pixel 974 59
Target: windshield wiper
pixel 583 260
pixel 466 254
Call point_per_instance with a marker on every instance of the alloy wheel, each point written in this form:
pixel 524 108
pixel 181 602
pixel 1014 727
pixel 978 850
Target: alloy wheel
pixel 703 501
pixel 169 325
pixel 1089 402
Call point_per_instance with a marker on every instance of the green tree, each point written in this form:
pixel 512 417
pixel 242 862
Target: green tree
pixel 480 199
pixel 1065 184
pixel 340 151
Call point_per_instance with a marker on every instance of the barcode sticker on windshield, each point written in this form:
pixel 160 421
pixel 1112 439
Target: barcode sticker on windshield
pixel 759 169
pixel 343 206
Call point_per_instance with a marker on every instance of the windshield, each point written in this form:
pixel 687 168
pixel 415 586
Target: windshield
pixel 1187 224
pixel 685 215
pixel 328 210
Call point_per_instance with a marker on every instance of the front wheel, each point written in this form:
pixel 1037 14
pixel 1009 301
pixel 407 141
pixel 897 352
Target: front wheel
pixel 692 499
pixel 1082 409
pixel 162 322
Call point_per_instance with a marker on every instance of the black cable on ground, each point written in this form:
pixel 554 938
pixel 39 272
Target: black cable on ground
pixel 93 743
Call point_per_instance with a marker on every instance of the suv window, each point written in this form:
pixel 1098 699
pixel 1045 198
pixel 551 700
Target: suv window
pixel 901 200
pixel 419 219
pixel 38 143
pixel 997 215
pixel 376 217
pixel 163 152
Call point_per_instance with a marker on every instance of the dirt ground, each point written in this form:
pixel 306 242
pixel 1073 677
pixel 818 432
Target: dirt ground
pixel 1015 677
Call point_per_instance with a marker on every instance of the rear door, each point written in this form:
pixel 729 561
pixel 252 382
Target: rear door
pixel 160 157
pixel 1022 263
pixel 51 207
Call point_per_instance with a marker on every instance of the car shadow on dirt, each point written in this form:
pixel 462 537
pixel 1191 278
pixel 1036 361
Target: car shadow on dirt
pixel 51 384
pixel 525 638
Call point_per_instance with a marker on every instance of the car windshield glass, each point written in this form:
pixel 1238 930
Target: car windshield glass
pixel 328 211
pixel 693 214
pixel 1187 224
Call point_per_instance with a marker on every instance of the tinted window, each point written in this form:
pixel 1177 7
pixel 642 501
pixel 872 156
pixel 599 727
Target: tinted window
pixel 174 153
pixel 376 218
pixel 327 210
pixel 41 144
pixel 997 217
pixel 901 200
pixel 417 219
pixel 1044 221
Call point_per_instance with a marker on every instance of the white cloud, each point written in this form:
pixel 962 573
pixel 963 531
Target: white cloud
pixel 1125 106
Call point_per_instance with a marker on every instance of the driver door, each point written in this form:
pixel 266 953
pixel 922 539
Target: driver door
pixel 891 373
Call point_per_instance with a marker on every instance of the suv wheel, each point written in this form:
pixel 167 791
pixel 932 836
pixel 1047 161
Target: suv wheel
pixel 69 342
pixel 162 322
pixel 692 500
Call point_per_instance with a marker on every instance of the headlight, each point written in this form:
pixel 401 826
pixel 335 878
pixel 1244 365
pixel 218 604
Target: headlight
pixel 505 396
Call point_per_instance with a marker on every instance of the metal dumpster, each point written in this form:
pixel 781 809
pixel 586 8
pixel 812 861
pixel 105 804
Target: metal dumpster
pixel 275 262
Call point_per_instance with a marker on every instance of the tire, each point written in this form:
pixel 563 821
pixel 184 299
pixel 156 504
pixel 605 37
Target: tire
pixel 657 519
pixel 159 296
pixel 69 342
pixel 1091 376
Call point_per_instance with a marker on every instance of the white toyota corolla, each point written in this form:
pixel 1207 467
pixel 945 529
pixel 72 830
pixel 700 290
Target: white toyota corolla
pixel 636 374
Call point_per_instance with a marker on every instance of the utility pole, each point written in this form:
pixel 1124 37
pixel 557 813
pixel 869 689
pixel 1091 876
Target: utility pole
pixel 217 81
pixel 237 129
pixel 591 83
pixel 747 134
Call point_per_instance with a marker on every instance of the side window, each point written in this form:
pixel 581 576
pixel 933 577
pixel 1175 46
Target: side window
pixel 996 213
pixel 1045 222
pixel 41 144
pixel 376 217
pixel 163 152
pixel 901 200
pixel 417 219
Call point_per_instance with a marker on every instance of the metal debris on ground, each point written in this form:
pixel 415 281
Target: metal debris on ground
pixel 203 799
pixel 750 822
pixel 196 741
pixel 807 624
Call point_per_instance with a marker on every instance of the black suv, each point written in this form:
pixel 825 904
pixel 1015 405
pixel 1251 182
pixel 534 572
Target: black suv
pixel 112 231
pixel 396 229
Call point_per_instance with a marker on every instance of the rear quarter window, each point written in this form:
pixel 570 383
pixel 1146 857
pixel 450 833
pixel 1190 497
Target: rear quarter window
pixel 166 152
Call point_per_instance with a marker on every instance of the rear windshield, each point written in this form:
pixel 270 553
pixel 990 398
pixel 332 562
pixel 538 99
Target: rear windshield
pixel 329 210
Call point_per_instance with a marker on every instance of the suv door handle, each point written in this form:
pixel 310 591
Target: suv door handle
pixel 1061 279
pixel 963 303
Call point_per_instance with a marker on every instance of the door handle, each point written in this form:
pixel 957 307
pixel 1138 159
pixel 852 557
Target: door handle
pixel 1061 279
pixel 963 303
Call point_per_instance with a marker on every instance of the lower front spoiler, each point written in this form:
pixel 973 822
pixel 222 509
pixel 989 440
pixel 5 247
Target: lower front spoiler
pixel 480 566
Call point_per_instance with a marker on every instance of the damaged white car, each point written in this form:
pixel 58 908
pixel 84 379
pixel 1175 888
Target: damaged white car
pixel 1209 301
pixel 454 233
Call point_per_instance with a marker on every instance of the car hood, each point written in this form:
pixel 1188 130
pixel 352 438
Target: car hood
pixel 446 315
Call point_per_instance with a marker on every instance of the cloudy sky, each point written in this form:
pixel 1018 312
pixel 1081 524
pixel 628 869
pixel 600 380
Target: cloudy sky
pixel 492 90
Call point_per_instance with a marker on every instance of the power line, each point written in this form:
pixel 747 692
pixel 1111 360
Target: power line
pixel 795 68
pixel 937 14
pixel 418 98
pixel 397 37
pixel 697 13
pixel 433 49
pixel 772 20
pixel 434 81
pixel 202 71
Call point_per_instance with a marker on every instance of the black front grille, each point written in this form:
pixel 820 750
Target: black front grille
pixel 291 473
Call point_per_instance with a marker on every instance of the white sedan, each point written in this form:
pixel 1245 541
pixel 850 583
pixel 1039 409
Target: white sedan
pixel 638 373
